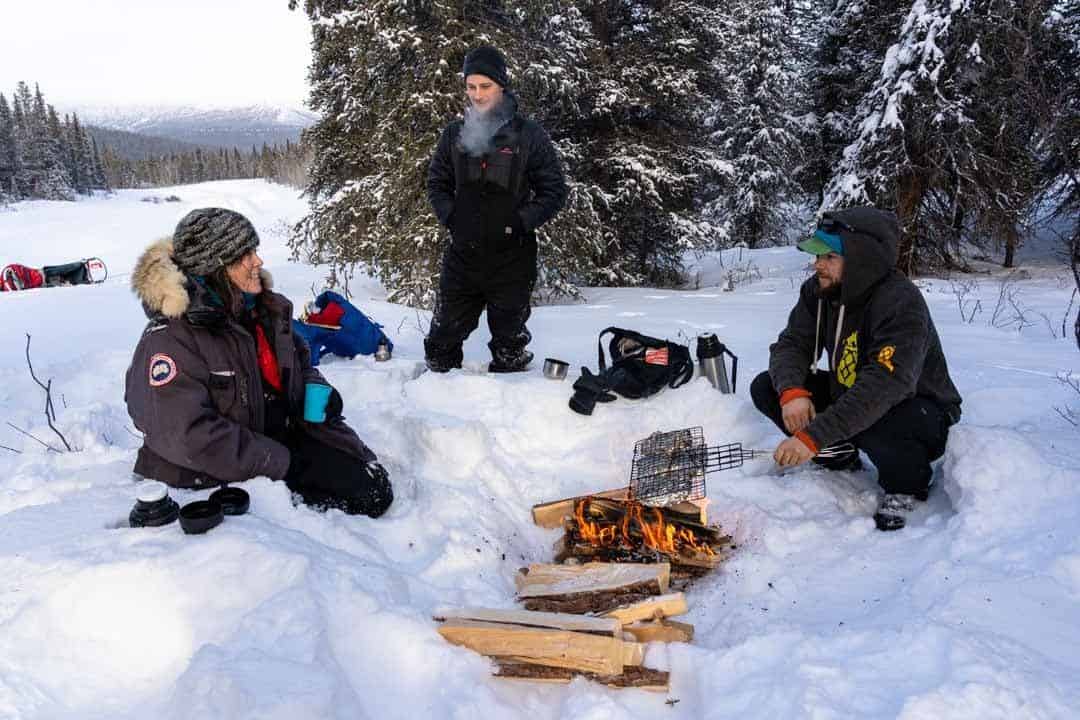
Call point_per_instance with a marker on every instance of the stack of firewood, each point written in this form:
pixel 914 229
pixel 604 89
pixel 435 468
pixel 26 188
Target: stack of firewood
pixel 551 641
pixel 588 618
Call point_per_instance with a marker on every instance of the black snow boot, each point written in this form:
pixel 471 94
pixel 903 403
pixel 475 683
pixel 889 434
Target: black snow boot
pixel 509 361
pixel 893 511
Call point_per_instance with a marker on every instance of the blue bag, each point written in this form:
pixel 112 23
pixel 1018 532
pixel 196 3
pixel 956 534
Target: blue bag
pixel 358 334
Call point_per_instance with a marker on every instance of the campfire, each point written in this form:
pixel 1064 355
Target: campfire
pixel 619 567
pixel 627 531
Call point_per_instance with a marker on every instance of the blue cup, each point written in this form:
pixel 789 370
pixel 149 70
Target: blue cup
pixel 316 395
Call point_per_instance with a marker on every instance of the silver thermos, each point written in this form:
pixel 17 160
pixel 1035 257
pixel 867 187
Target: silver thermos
pixel 710 355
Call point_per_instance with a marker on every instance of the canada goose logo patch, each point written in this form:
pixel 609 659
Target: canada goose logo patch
pixel 162 370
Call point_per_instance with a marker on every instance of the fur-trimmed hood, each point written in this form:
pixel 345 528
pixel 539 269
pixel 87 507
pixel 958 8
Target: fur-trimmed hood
pixel 161 286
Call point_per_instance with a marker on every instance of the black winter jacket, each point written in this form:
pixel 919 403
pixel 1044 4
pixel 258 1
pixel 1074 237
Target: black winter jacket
pixel 879 338
pixel 523 161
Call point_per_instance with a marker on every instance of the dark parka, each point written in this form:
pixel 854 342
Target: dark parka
pixel 195 391
pixel 523 162
pixel 886 348
pixel 492 204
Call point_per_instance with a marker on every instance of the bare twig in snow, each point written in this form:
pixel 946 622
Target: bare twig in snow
pixel 32 437
pixel 50 411
pixel 17 452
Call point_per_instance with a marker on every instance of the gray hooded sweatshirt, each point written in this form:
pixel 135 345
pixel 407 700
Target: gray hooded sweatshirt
pixel 881 344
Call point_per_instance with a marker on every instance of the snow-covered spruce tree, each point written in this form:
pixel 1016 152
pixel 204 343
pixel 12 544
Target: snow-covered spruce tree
pixel 41 171
pixel 646 142
pixel 612 82
pixel 761 135
pixel 7 150
pixel 944 134
pixel 850 43
pixel 1059 145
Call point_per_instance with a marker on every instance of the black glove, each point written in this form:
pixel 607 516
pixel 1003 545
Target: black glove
pixel 589 389
pixel 334 405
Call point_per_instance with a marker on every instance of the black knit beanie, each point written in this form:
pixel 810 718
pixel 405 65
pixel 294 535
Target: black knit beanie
pixel 209 238
pixel 486 60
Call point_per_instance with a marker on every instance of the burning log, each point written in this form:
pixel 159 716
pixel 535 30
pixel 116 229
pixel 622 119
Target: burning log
pixel 552 514
pixel 634 677
pixel 591 587
pixel 612 530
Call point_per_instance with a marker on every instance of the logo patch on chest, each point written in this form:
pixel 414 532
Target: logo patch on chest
pixel 162 370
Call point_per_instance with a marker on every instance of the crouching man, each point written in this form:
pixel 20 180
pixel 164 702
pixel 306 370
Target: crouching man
pixel 222 388
pixel 887 390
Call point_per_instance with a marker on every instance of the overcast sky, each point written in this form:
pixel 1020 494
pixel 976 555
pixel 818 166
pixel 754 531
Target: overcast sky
pixel 125 52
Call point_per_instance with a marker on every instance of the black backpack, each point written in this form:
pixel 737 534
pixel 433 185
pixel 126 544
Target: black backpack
pixel 640 366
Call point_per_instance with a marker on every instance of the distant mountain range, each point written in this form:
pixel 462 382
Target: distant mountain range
pixel 239 127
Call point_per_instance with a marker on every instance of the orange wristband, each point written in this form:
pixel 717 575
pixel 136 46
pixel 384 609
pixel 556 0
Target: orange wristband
pixel 792 393
pixel 805 440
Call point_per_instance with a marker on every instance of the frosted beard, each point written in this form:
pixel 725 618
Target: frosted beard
pixel 480 127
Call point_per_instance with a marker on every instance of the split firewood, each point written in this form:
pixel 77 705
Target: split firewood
pixel 590 587
pixel 556 648
pixel 662 606
pixel 660 631
pixel 551 514
pixel 560 621
pixel 540 579
pixel 642 678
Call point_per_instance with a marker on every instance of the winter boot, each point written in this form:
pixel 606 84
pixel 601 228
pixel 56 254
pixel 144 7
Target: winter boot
pixel 508 361
pixel 893 511
pixel 441 358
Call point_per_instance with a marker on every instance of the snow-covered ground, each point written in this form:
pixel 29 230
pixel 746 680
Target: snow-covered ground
pixel 971 612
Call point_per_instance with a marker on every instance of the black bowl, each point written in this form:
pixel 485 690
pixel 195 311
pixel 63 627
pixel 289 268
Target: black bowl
pixel 233 500
pixel 199 516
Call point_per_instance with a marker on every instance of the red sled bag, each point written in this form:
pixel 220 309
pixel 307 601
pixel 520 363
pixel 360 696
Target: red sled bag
pixel 20 277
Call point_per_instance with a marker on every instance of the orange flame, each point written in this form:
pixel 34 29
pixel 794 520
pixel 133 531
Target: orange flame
pixel 657 534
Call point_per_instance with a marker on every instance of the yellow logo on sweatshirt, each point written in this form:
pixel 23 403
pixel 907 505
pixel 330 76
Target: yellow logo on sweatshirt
pixel 845 369
pixel 885 355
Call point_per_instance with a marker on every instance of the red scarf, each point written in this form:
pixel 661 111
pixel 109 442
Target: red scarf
pixel 268 364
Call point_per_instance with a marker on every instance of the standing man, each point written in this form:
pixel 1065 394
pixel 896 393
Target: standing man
pixel 887 390
pixel 494 179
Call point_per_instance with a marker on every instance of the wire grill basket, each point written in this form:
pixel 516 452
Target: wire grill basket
pixel 670 467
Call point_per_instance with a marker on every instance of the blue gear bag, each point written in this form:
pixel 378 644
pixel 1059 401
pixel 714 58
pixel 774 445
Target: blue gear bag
pixel 358 334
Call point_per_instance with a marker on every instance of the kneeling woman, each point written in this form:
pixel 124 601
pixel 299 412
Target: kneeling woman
pixel 219 380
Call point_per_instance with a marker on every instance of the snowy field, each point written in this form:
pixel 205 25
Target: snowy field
pixel 973 611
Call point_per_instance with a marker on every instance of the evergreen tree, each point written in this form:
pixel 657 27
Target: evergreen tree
pixel 100 181
pixel 617 85
pixel 852 39
pixel 7 149
pixel 762 135
pixel 944 136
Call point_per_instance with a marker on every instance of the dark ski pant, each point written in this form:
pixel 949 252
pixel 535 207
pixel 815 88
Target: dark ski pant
pixel 326 477
pixel 502 284
pixel 901 444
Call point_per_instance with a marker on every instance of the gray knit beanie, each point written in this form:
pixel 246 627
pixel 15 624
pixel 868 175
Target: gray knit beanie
pixel 209 238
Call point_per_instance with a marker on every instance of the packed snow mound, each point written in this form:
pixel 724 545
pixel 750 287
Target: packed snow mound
pixel 973 611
